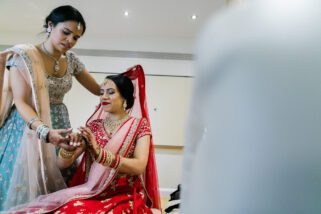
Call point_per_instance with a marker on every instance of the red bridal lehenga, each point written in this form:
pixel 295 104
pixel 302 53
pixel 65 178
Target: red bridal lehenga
pixel 124 193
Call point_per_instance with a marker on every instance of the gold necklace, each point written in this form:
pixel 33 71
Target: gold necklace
pixel 56 67
pixel 113 125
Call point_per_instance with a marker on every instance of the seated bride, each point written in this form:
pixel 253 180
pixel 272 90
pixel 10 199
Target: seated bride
pixel 117 173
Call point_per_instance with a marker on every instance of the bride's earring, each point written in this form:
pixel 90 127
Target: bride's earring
pixel 125 105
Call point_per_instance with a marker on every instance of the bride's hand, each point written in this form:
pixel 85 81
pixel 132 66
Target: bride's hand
pixel 90 139
pixel 75 139
pixel 78 141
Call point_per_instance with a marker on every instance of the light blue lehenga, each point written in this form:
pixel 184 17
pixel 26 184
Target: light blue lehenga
pixel 10 135
pixel 14 126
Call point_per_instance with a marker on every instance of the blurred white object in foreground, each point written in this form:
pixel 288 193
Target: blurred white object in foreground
pixel 253 138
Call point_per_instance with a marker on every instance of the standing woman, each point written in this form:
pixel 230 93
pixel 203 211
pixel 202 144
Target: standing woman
pixel 33 82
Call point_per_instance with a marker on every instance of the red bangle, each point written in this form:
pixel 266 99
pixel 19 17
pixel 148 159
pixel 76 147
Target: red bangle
pixel 116 162
pixel 113 163
pixel 119 163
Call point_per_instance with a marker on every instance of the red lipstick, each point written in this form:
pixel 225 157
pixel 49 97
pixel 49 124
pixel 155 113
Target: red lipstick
pixel 105 103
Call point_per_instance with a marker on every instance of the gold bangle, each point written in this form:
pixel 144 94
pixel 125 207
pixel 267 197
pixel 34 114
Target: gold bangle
pixel 109 158
pixel 115 159
pixel 98 157
pixel 120 163
pixel 66 154
pixel 104 156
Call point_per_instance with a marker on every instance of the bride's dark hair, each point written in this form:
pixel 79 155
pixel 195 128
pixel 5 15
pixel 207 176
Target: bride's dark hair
pixel 125 88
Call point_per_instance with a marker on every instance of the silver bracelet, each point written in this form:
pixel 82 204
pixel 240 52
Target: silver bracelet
pixel 31 122
pixel 42 132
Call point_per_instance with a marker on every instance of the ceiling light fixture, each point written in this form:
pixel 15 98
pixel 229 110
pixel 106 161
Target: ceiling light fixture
pixel 126 13
pixel 194 16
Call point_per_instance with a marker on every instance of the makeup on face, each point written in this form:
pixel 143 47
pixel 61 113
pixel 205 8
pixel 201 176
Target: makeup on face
pixel 105 96
pixel 106 92
pixel 109 96
pixel 68 32
pixel 68 35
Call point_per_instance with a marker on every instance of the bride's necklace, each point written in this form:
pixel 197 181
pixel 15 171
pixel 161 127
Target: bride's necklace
pixel 113 125
pixel 56 67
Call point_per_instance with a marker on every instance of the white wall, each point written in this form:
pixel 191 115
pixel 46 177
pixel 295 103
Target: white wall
pixel 178 45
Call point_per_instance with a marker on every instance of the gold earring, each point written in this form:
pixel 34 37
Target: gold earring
pixel 125 105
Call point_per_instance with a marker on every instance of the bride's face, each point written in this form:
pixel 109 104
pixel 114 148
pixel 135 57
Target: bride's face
pixel 110 98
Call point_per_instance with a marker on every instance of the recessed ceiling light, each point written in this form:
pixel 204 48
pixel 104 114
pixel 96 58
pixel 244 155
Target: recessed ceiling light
pixel 194 17
pixel 126 13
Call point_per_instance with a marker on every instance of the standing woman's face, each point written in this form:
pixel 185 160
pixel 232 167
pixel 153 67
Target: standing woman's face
pixel 65 35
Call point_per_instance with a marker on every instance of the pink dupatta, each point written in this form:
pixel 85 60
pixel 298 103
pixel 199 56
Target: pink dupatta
pixel 100 177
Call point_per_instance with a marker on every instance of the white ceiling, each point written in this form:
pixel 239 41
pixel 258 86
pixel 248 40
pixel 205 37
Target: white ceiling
pixel 170 19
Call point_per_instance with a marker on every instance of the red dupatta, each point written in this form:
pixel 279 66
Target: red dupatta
pixel 136 73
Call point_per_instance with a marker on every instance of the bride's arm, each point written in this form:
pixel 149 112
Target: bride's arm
pixel 132 166
pixel 137 164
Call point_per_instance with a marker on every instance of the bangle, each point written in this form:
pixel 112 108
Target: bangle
pixel 98 159
pixel 65 154
pixel 114 161
pixel 31 122
pixel 104 157
pixel 107 158
pixel 117 162
pixel 42 132
pixel 120 163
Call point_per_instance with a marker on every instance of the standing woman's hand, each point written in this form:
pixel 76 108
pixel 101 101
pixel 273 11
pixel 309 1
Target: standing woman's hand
pixel 59 137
